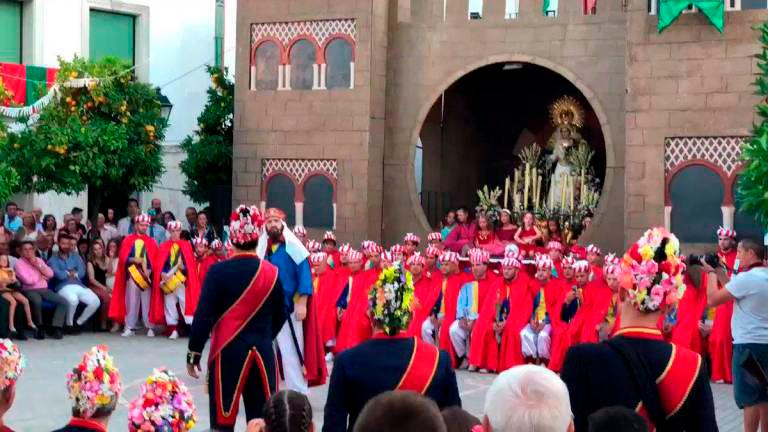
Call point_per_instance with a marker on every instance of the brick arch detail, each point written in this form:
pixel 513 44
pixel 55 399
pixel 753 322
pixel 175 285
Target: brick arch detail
pixel 265 39
pixel 725 179
pixel 732 181
pixel 307 37
pixel 332 38
pixel 450 78
pixel 297 191
pixel 316 173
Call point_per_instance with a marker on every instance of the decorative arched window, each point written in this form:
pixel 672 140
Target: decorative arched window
pixel 695 215
pixel 744 223
pixel 318 202
pixel 338 57
pixel 267 60
pixel 303 59
pixel 281 193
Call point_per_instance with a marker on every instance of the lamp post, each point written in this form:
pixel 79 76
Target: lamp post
pixel 165 105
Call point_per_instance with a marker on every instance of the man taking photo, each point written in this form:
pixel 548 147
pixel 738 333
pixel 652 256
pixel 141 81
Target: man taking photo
pixel 749 291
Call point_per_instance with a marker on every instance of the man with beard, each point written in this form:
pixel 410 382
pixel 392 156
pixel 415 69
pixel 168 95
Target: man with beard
pixel 299 339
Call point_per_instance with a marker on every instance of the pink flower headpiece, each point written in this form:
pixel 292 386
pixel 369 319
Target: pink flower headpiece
pixel 652 272
pixel 12 363
pixel 163 404
pixel 94 383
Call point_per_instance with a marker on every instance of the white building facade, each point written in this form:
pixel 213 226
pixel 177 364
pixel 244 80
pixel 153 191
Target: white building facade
pixel 169 43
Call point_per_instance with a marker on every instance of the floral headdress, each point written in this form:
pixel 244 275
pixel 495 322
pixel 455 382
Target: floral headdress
pixel 245 225
pixel 392 300
pixel 94 383
pixel 164 405
pixel 12 363
pixel 652 271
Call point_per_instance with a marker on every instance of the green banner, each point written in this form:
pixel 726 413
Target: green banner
pixel 36 83
pixel 670 10
pixel 545 7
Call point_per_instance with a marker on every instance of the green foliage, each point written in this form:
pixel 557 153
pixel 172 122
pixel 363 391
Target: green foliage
pixel 104 136
pixel 209 149
pixel 753 181
pixel 9 178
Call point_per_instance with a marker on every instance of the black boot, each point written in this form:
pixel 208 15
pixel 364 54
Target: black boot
pixel 17 335
pixel 56 333
pixel 39 334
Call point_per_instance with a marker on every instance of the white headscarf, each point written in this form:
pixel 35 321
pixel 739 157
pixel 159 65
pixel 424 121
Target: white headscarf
pixel 293 245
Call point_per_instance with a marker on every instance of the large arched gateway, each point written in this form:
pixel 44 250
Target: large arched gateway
pixel 475 131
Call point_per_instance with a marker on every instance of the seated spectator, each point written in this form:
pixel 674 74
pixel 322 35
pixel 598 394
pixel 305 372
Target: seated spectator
pixel 38 213
pixel 71 229
pixel 462 236
pixel 94 388
pixel 97 280
pixel 44 247
pixel 102 230
pixel 28 229
pixel 111 220
pixel 12 221
pixel 77 215
pixel 34 274
pixel 528 398
pixel 286 411
pixel 125 225
pixel 11 367
pixel 458 420
pixel 83 247
pixel 163 404
pixel 6 250
pixel 50 227
pixel 10 291
pixel 397 411
pixel 616 418
pixel 113 251
pixel 68 275
pixel 168 217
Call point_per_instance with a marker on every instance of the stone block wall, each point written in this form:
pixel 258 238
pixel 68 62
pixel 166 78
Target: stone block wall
pixel 689 80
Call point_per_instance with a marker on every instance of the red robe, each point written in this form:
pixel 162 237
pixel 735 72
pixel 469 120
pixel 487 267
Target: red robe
pixel 355 325
pixel 599 301
pixel 450 287
pixel 720 343
pixel 488 293
pixel 117 305
pixel 488 353
pixel 327 290
pixel 690 309
pixel 191 285
pixel 568 334
pixel 204 265
pixel 427 292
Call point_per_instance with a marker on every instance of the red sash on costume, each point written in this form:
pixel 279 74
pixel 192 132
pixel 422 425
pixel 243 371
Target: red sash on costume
pixel 421 369
pixel 237 316
pixel 677 380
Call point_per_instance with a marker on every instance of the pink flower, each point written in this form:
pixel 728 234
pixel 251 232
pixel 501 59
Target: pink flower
pixel 657 294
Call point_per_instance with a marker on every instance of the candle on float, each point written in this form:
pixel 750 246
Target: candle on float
pixel 538 190
pixel 514 188
pixel 527 184
pixel 563 181
pixel 506 191
pixel 583 188
pixel 570 186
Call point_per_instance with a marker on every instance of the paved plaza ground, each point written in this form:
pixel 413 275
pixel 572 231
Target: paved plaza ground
pixel 42 404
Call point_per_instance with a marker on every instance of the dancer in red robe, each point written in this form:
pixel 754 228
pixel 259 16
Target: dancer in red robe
pixel 204 260
pixel 445 309
pixel 573 313
pixel 555 250
pixel 720 343
pixel 133 282
pixel 593 257
pixel 495 343
pixel 431 256
pixel 329 247
pixel 687 332
pixel 352 304
pixel 435 239
pixel 543 326
pixel 174 281
pixel 326 289
pixel 602 306
pixel 410 244
pixel 427 291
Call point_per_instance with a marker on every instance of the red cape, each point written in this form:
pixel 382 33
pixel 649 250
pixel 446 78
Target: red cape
pixel 204 265
pixel 192 284
pixel 521 306
pixel 329 288
pixel 488 293
pixel 314 348
pixel 598 303
pixel 427 292
pixel 690 309
pixel 563 333
pixel 117 304
pixel 720 343
pixel 355 325
pixel 450 301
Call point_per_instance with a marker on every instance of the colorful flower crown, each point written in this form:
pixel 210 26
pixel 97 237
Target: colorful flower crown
pixel 94 383
pixel 652 271
pixel 12 363
pixel 164 405
pixel 392 300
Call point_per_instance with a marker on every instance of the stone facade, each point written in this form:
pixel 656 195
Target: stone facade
pixel 643 87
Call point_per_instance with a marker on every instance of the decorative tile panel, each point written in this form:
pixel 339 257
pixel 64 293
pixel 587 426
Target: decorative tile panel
pixel 724 152
pixel 299 168
pixel 319 29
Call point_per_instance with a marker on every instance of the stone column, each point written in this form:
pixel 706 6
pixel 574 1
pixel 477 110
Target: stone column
pixel 728 214
pixel 299 213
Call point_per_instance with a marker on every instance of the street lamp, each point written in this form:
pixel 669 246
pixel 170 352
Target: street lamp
pixel 165 105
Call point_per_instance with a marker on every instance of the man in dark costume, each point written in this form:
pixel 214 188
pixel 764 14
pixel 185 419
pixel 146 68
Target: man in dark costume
pixel 241 308
pixel 666 384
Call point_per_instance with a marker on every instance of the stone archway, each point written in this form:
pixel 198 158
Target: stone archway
pixel 590 99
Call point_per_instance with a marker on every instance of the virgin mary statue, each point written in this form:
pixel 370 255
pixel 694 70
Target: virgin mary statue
pixel 567 117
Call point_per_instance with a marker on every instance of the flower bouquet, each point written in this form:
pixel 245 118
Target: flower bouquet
pixel 392 300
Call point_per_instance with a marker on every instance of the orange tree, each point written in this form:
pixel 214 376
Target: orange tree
pixel 102 135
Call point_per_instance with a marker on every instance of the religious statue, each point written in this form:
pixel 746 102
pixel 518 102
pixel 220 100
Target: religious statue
pixel 568 117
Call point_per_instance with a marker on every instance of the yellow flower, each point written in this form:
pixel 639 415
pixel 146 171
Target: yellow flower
pixel 646 252
pixel 670 250
pixel 102 399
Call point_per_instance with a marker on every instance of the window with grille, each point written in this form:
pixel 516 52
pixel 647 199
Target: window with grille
pixel 112 35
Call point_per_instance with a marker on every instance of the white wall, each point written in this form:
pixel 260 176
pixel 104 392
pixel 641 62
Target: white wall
pixel 181 40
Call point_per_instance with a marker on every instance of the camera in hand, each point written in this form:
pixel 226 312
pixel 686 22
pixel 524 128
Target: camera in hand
pixel 711 258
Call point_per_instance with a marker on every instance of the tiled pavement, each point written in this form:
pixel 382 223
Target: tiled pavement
pixel 41 401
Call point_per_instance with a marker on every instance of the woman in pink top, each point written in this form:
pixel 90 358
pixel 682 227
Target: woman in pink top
pixel 486 239
pixel 34 273
pixel 506 232
pixel 462 237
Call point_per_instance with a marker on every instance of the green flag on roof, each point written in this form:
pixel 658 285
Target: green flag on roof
pixel 670 10
pixel 545 7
